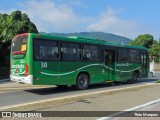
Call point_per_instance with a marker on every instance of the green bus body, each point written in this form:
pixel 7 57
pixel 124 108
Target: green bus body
pixel 112 62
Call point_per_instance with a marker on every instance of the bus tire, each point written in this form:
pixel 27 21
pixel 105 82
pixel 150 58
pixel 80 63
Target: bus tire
pixel 82 82
pixel 135 77
pixel 112 83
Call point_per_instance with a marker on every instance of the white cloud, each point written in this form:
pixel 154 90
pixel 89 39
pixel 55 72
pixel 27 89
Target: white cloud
pixel 7 11
pixel 109 22
pixel 76 3
pixel 51 17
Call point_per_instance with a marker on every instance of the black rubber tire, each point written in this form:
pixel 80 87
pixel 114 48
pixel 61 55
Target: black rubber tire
pixel 133 79
pixel 82 82
pixel 112 83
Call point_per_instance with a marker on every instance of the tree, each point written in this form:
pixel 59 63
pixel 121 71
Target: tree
pixel 10 26
pixel 145 40
pixel 154 51
pixel 16 23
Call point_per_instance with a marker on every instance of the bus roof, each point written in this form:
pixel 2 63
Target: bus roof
pixel 84 40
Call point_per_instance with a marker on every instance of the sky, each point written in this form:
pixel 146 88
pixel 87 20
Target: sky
pixel 128 18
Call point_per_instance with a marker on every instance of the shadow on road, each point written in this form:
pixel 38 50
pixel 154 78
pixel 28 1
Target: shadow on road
pixel 96 87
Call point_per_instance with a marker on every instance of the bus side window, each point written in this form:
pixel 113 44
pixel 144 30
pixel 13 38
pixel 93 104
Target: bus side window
pixel 90 52
pixel 123 55
pixel 69 51
pixel 86 56
pixel 55 55
pixel 44 50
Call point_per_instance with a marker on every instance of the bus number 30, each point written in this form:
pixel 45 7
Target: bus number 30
pixel 43 64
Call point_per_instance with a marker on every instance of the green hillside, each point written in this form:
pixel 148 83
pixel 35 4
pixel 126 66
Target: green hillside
pixel 98 35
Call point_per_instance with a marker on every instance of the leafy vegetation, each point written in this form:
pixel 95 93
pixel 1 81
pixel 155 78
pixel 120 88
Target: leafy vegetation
pixel 11 25
pixel 154 51
pixel 147 41
pixel 158 81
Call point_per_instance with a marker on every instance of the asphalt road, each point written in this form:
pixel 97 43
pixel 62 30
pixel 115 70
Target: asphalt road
pixel 152 110
pixel 14 93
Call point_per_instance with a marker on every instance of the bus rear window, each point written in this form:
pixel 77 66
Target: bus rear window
pixel 19 47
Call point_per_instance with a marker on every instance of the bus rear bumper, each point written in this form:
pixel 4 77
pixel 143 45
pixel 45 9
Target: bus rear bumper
pixel 27 80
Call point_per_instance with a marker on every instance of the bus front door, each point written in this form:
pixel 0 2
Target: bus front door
pixel 109 63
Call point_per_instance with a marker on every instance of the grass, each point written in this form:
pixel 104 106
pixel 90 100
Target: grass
pixel 158 81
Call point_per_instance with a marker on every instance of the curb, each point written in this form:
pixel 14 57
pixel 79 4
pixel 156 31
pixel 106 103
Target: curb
pixel 72 97
pixel 4 80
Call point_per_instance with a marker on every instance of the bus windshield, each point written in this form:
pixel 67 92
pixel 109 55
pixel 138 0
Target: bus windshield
pixel 19 47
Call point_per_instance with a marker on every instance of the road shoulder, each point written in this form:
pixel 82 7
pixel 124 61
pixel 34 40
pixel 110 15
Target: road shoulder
pixel 109 100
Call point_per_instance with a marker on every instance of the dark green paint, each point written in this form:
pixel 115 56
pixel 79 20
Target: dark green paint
pixel 97 73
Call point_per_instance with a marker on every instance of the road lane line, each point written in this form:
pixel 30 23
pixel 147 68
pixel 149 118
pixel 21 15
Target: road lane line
pixel 22 87
pixel 19 89
pixel 131 109
pixel 17 84
pixel 9 91
pixel 73 96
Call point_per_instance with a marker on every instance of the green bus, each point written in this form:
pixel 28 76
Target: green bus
pixel 40 59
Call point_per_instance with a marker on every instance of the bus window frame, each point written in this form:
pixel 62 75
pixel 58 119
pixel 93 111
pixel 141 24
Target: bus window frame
pixel 43 39
pixel 24 55
pixel 99 55
pixel 59 50
pixel 127 49
pixel 61 42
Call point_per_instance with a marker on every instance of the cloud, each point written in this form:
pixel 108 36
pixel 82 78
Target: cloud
pixel 51 17
pixel 108 21
pixel 76 3
pixel 7 11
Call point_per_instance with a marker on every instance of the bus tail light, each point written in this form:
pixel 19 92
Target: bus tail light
pixel 27 69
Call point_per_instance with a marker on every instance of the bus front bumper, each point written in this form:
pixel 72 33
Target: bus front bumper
pixel 27 80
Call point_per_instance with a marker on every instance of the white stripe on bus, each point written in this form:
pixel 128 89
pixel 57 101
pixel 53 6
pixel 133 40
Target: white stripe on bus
pixel 85 67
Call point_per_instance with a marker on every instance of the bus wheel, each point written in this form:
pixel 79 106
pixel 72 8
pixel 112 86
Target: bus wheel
pixel 112 83
pixel 82 82
pixel 134 77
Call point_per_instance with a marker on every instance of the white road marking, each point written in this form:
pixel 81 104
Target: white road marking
pixel 131 109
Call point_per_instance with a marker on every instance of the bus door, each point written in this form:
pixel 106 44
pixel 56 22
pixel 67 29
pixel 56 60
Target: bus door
pixel 109 62
pixel 144 63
